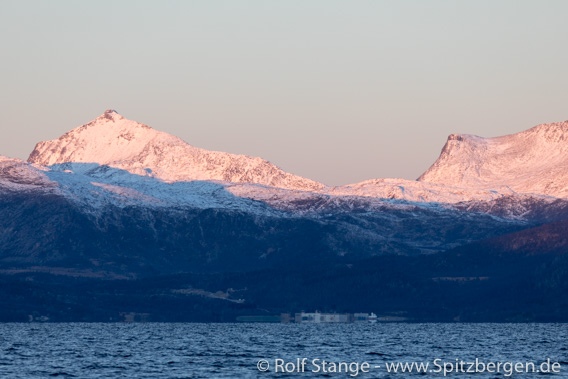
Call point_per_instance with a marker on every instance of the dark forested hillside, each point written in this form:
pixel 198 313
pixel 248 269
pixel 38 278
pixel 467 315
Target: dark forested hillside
pixel 507 278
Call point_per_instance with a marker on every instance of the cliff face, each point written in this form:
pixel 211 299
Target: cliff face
pixel 534 161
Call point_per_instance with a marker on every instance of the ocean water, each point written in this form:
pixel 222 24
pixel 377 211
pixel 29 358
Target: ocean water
pixel 153 350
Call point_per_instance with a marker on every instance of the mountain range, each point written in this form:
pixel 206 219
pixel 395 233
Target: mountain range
pixel 114 204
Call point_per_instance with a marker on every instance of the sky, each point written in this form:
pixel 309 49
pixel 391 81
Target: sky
pixel 336 91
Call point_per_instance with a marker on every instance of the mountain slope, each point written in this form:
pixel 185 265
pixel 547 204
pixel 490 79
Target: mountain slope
pixel 533 161
pixel 114 141
pixel 19 176
pixel 416 191
pixel 470 168
pixel 99 220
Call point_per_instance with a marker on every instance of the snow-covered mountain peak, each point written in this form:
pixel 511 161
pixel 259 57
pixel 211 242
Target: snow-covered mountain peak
pixel 532 161
pixel 108 139
pixel 470 167
pixel 114 141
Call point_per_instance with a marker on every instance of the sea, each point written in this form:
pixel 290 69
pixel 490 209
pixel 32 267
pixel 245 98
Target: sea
pixel 262 350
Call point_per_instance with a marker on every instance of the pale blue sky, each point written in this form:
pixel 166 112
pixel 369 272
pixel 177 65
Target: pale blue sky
pixel 337 91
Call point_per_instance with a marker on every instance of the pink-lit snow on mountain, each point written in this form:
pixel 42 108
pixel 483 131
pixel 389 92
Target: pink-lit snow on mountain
pixel 413 190
pixel 470 168
pixel 115 141
pixel 533 161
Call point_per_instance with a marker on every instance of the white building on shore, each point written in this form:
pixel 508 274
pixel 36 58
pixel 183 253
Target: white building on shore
pixel 317 317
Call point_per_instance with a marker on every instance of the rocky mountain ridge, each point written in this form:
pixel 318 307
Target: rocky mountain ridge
pixel 470 168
